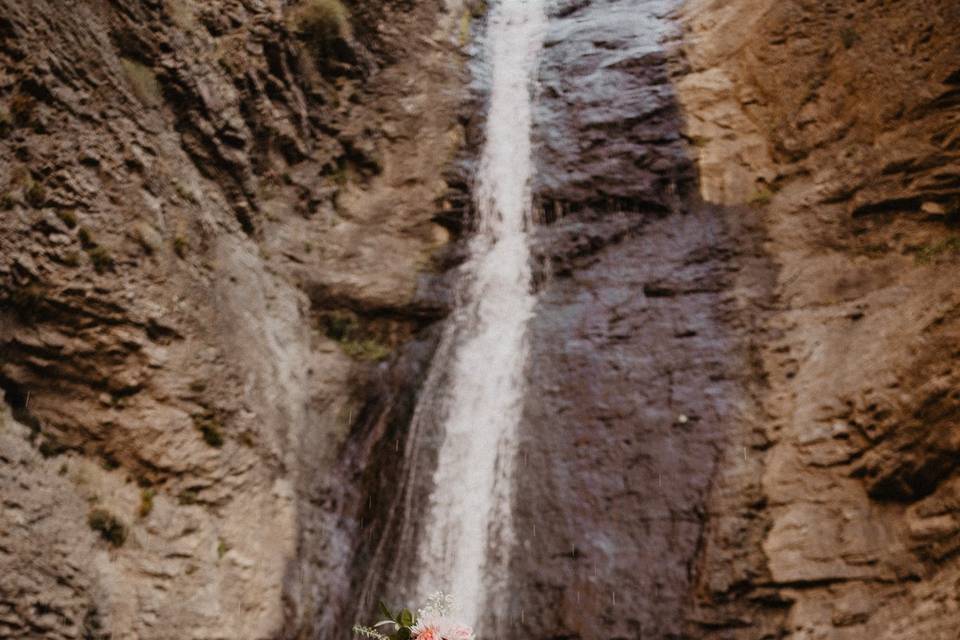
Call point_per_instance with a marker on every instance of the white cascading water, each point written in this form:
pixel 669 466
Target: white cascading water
pixel 467 533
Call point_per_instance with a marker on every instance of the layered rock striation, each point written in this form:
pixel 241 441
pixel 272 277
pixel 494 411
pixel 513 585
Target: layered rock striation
pixel 837 122
pixel 217 218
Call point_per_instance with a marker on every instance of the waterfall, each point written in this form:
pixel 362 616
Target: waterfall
pixel 464 532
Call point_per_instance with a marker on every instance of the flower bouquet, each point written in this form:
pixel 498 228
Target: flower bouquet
pixel 432 622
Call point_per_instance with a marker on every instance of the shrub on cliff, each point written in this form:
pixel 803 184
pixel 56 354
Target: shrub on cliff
pixel 325 26
pixel 35 194
pixel 358 341
pixel 210 428
pixel 108 526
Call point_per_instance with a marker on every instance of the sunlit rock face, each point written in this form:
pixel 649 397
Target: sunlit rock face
pixel 215 227
pixel 848 530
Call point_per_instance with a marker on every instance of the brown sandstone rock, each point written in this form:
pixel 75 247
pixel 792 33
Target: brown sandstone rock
pixel 187 189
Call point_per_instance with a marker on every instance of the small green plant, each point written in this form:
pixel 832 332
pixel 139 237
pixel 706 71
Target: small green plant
pixel 68 217
pixel 356 341
pixel 368 349
pixel 7 201
pixel 475 10
pixel 927 254
pixel 35 194
pixel 849 37
pixel 146 502
pixel 478 8
pixel 198 386
pixel 342 174
pixel 108 526
pixel 109 461
pixel 222 548
pixel 188 497
pixel 761 197
pixel 339 325
pixel 210 428
pixel 876 249
pixel 100 258
pixel 50 448
pixel 465 20
pixel 323 24
pixel 180 246
pixel 70 258
pixel 86 237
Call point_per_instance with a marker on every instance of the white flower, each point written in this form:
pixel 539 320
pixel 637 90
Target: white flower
pixel 434 621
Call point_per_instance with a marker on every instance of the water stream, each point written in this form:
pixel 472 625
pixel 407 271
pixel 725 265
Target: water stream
pixel 476 386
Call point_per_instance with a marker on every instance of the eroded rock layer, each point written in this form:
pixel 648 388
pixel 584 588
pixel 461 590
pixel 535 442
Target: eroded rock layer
pixel 838 121
pixel 217 217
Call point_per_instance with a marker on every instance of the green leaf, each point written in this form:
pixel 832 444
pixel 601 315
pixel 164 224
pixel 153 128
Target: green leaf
pixel 402 634
pixel 406 618
pixel 385 611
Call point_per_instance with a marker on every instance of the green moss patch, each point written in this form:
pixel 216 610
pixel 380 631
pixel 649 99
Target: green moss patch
pixel 210 428
pixel 100 258
pixel 948 247
pixel 146 502
pixel 68 218
pixel 761 197
pixel 359 340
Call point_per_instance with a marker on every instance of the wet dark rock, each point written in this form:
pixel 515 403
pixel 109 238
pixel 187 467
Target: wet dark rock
pixel 606 116
pixel 631 386
pixel 635 366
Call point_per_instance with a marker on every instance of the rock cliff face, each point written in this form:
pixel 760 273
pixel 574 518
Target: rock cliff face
pixel 838 123
pixel 227 234
pixel 216 219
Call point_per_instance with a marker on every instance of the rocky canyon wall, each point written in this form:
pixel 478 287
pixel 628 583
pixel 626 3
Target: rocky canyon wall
pixel 228 235
pixel 217 217
pixel 833 514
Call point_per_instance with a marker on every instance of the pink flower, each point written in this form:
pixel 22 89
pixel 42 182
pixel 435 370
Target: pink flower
pixel 428 633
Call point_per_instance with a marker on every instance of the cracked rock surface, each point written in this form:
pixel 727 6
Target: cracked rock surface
pixel 838 123
pixel 214 231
